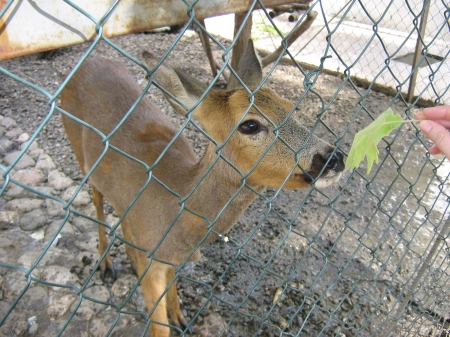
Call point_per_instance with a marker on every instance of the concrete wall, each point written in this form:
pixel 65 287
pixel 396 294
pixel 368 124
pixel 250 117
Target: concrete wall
pixel 399 16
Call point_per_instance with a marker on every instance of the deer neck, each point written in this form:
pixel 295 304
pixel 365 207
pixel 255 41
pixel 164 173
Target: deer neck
pixel 219 184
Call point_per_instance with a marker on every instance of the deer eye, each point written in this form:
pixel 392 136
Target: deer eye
pixel 250 127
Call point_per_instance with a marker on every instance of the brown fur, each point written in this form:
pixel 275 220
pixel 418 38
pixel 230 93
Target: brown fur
pixel 101 92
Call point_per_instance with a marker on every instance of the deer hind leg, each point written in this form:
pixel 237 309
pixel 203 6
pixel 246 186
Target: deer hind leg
pixel 154 284
pixel 107 265
pixel 173 306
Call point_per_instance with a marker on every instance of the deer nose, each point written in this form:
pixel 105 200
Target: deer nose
pixel 335 161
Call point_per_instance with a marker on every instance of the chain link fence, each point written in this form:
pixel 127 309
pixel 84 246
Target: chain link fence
pixel 366 257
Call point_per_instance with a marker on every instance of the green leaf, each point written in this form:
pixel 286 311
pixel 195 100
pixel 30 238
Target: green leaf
pixel 366 141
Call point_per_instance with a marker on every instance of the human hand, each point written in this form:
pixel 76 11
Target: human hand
pixel 435 123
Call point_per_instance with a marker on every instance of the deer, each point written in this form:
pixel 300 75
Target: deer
pixel 183 197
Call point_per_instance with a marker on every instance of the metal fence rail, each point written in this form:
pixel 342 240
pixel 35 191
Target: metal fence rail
pixel 367 257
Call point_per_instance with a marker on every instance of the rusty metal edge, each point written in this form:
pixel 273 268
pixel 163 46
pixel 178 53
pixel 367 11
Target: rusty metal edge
pixel 118 26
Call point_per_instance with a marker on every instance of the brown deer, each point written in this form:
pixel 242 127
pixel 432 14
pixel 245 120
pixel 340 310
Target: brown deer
pixel 172 216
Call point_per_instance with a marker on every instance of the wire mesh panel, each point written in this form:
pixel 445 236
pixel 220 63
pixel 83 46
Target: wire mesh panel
pixel 364 256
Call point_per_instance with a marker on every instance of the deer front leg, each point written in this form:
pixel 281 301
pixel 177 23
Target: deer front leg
pixel 173 306
pixel 131 252
pixel 154 285
pixel 107 265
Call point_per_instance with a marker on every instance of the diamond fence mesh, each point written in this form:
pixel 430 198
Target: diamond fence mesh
pixel 366 257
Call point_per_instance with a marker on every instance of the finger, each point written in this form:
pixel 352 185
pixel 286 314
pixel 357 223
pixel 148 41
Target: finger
pixel 438 134
pixel 443 122
pixel 434 150
pixel 419 115
pixel 436 113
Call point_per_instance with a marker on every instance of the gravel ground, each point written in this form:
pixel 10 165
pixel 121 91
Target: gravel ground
pixel 335 268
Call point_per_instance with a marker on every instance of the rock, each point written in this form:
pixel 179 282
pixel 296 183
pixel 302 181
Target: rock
pixel 54 208
pixel 51 257
pixel 13 133
pixel 84 225
pixel 14 282
pixel 29 177
pixel 59 180
pixel 213 325
pixel 67 229
pixel 88 308
pixel 45 163
pixel 20 327
pixel 82 198
pixel 45 190
pixel 59 305
pixel 123 285
pixel 29 257
pixel 78 328
pixel 101 323
pixel 57 275
pixel 8 254
pixel 35 153
pixel 24 205
pixel 8 219
pixel 34 326
pixel 33 220
pixel 24 162
pixel 87 242
pixel 33 146
pixel 8 123
pixel 5 146
pixel 15 191
pixel 33 299
pixel 23 137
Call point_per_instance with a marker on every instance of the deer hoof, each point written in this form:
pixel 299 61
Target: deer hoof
pixel 108 274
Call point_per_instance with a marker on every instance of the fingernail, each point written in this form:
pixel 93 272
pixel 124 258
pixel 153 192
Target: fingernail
pixel 425 126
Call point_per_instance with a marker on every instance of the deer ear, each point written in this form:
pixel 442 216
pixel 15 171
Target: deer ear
pixel 250 68
pixel 184 87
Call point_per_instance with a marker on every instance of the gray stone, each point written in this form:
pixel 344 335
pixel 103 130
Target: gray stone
pixel 14 133
pixel 30 256
pixel 23 137
pixel 101 323
pixel 33 220
pixel 24 205
pixel 33 298
pixel 57 275
pixel 54 208
pixel 88 308
pixel 35 153
pixel 33 146
pixel 59 180
pixel 14 282
pixel 123 285
pixel 67 229
pixel 5 146
pixel 60 304
pixel 8 123
pixel 82 199
pixel 29 177
pixel 8 219
pixel 45 190
pixel 87 242
pixel 45 163
pixel 24 162
pixel 20 327
pixel 15 191
pixel 84 225
pixel 8 254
